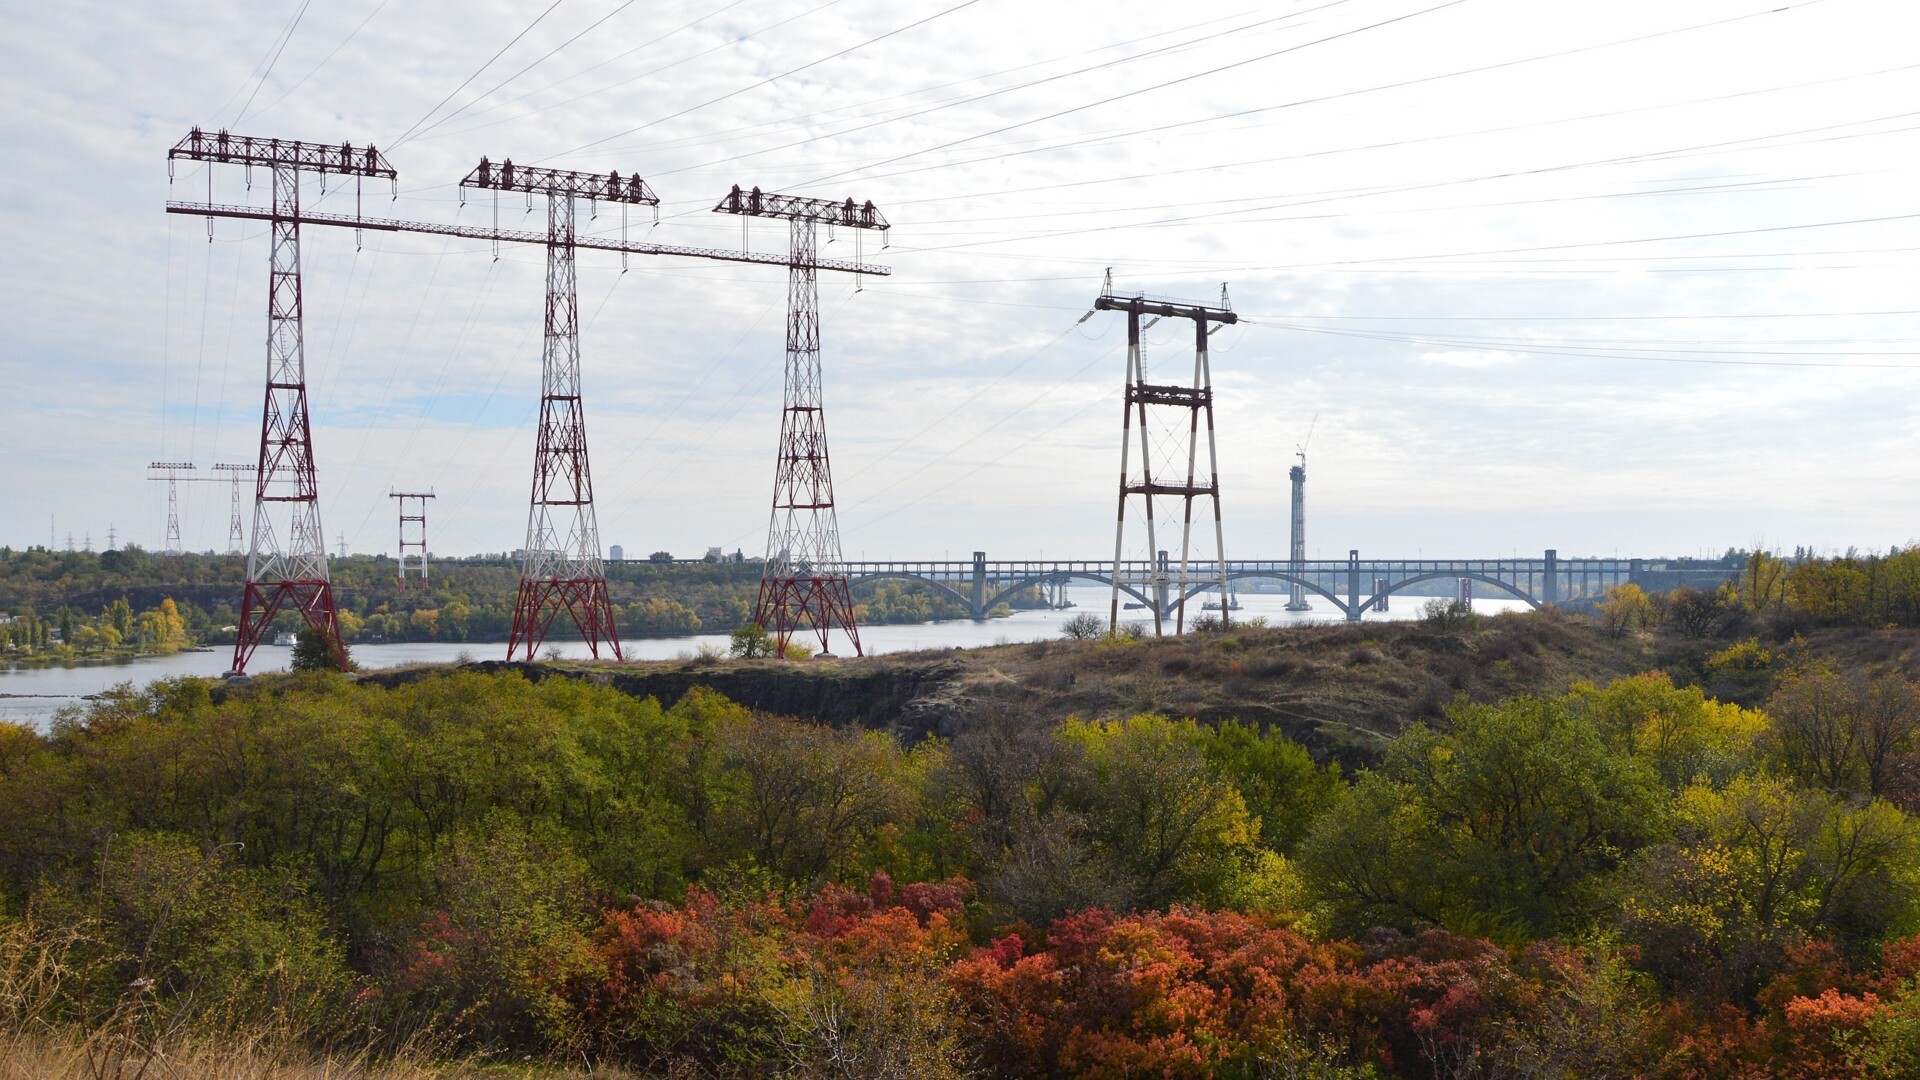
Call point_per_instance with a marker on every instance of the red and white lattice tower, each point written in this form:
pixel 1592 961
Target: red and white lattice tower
pixel 803 584
pixel 562 569
pixel 287 562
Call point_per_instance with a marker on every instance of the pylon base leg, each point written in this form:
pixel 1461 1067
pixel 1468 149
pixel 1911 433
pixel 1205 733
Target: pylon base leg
pixel 813 604
pixel 312 598
pixel 585 601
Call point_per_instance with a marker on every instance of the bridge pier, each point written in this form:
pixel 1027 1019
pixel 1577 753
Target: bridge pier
pixel 1550 587
pixel 978 600
pixel 1353 585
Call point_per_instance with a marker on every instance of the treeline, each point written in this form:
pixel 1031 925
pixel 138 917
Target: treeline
pixel 1624 880
pixel 1781 596
pixel 467 600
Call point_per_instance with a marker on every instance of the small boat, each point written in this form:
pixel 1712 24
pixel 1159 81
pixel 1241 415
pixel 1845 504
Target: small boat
pixel 1132 606
pixel 285 638
pixel 1214 605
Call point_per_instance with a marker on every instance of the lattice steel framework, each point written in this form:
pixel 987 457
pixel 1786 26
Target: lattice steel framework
pixel 236 521
pixel 417 542
pixel 803 583
pixel 171 472
pixel 1197 401
pixel 562 569
pixel 285 570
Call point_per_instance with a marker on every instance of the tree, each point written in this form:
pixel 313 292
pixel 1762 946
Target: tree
pixel 1758 866
pixel 1278 778
pixel 1157 807
pixel 1677 730
pixel 1844 733
pixel 751 640
pixel 1509 823
pixel 313 650
pixel 1627 609
pixel 805 800
pixel 1085 626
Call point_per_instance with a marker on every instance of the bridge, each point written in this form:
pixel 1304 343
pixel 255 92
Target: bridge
pixel 1354 586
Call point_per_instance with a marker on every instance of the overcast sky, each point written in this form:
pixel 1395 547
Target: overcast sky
pixel 1626 277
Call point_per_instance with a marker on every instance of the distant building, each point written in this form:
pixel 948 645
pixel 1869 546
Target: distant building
pixel 616 553
pixel 714 554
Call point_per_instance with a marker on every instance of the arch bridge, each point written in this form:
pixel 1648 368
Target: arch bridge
pixel 1354 586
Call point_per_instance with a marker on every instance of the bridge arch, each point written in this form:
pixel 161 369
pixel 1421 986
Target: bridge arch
pixel 1438 575
pixel 1009 588
pixel 946 586
pixel 1273 575
pixel 939 585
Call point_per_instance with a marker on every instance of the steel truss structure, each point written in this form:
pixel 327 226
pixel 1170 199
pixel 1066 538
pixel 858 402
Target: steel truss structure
pixel 1196 399
pixel 295 574
pixel 285 570
pixel 172 472
pixel 562 569
pixel 803 583
pixel 418 541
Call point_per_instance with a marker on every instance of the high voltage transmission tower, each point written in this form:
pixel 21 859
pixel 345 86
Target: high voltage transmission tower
pixel 418 542
pixel 803 583
pixel 1196 400
pixel 236 522
pixel 561 516
pixel 562 569
pixel 172 472
pixel 285 570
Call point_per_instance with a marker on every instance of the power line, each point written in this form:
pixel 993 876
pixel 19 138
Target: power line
pixel 476 74
pixel 543 59
pixel 775 78
pixel 1136 93
pixel 311 72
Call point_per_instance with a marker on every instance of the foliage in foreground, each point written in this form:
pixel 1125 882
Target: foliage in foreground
pixel 1623 880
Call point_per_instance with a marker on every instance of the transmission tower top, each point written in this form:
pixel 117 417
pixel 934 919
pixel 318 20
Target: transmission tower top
pixel 757 203
pixel 341 160
pixel 610 187
pixel 170 466
pixel 1165 306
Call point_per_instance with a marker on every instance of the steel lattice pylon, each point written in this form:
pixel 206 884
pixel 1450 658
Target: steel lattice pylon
pixel 285 571
pixel 803 583
pixel 1168 589
pixel 562 568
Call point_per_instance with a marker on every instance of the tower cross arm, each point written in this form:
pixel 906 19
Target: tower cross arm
pixel 846 214
pixel 606 187
pixel 1167 308
pixel 343 159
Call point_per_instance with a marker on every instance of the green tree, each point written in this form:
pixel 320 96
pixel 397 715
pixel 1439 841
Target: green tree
pixel 1158 808
pixel 1758 866
pixel 313 650
pixel 1278 778
pixel 751 640
pixel 1508 824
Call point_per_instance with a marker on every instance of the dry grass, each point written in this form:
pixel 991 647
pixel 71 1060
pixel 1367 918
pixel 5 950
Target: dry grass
pixel 45 1036
pixel 70 1054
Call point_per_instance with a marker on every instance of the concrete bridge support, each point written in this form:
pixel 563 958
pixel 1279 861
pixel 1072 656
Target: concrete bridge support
pixel 1353 585
pixel 1550 579
pixel 978 598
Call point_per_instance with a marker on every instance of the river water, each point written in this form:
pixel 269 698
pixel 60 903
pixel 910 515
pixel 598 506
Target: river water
pixel 32 695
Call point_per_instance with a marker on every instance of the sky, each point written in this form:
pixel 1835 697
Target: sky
pixel 1633 278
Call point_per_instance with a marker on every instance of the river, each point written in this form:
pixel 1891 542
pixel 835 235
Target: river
pixel 33 694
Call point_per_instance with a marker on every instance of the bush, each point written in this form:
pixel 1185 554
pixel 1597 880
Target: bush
pixel 1085 626
pixel 751 640
pixel 313 651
